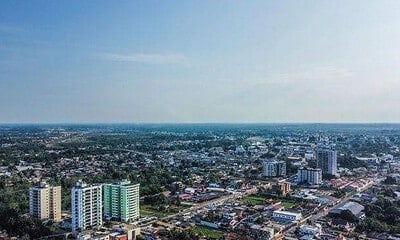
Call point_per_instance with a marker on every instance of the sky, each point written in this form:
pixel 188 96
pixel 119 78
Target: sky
pixel 199 61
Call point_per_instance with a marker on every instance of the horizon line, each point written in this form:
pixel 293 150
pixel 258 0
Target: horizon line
pixel 185 123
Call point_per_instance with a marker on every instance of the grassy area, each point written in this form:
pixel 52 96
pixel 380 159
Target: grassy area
pixel 188 204
pixel 259 200
pixel 254 200
pixel 287 204
pixel 208 232
pixel 148 210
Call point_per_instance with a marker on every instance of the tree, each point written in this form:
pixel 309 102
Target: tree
pixel 390 180
pixel 140 237
pixel 350 162
pixel 348 216
pixel 339 193
pixel 176 234
pixel 17 224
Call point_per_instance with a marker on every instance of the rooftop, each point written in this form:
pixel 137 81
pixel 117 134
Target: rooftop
pixel 353 207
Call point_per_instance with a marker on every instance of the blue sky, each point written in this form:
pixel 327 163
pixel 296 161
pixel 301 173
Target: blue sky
pixel 199 61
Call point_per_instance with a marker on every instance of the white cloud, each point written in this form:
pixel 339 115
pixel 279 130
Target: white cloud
pixel 165 58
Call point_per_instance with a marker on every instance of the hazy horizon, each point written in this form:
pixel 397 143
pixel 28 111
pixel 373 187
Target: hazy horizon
pixel 199 62
pixel 199 123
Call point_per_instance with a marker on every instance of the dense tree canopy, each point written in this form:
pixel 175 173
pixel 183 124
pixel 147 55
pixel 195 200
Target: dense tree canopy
pixel 382 216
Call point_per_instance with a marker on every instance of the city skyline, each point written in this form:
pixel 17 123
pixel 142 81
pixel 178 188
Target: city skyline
pixel 199 61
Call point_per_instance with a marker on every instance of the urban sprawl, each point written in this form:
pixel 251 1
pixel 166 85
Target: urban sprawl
pixel 200 181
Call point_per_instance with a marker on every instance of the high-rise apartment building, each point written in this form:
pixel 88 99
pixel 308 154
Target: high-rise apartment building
pixel 312 176
pixel 274 168
pixel 86 206
pixel 121 201
pixel 327 161
pixel 45 202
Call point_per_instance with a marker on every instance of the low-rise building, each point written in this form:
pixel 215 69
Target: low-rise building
pixel 286 216
pixel 310 230
pixel 282 187
pixel 355 208
pixel 262 232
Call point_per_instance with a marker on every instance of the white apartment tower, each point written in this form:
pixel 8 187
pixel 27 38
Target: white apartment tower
pixel 274 168
pixel 312 176
pixel 86 206
pixel 327 161
pixel 45 202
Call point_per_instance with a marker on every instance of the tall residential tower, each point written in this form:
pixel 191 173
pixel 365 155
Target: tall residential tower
pixel 274 168
pixel 121 201
pixel 45 202
pixel 86 206
pixel 312 176
pixel 327 161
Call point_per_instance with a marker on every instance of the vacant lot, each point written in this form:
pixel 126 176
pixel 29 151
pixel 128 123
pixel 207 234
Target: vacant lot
pixel 208 232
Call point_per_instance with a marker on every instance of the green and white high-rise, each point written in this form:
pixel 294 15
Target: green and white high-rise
pixel 121 201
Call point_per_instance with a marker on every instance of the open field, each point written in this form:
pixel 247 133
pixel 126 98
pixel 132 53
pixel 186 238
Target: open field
pixel 208 232
pixel 254 200
pixel 287 204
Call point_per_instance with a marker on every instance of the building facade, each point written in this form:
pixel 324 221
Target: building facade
pixel 312 176
pixel 327 161
pixel 282 187
pixel 86 206
pixel 121 201
pixel 262 232
pixel 45 202
pixel 286 216
pixel 274 168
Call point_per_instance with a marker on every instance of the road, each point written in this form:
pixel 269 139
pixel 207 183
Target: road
pixel 322 212
pixel 212 202
pixel 203 205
